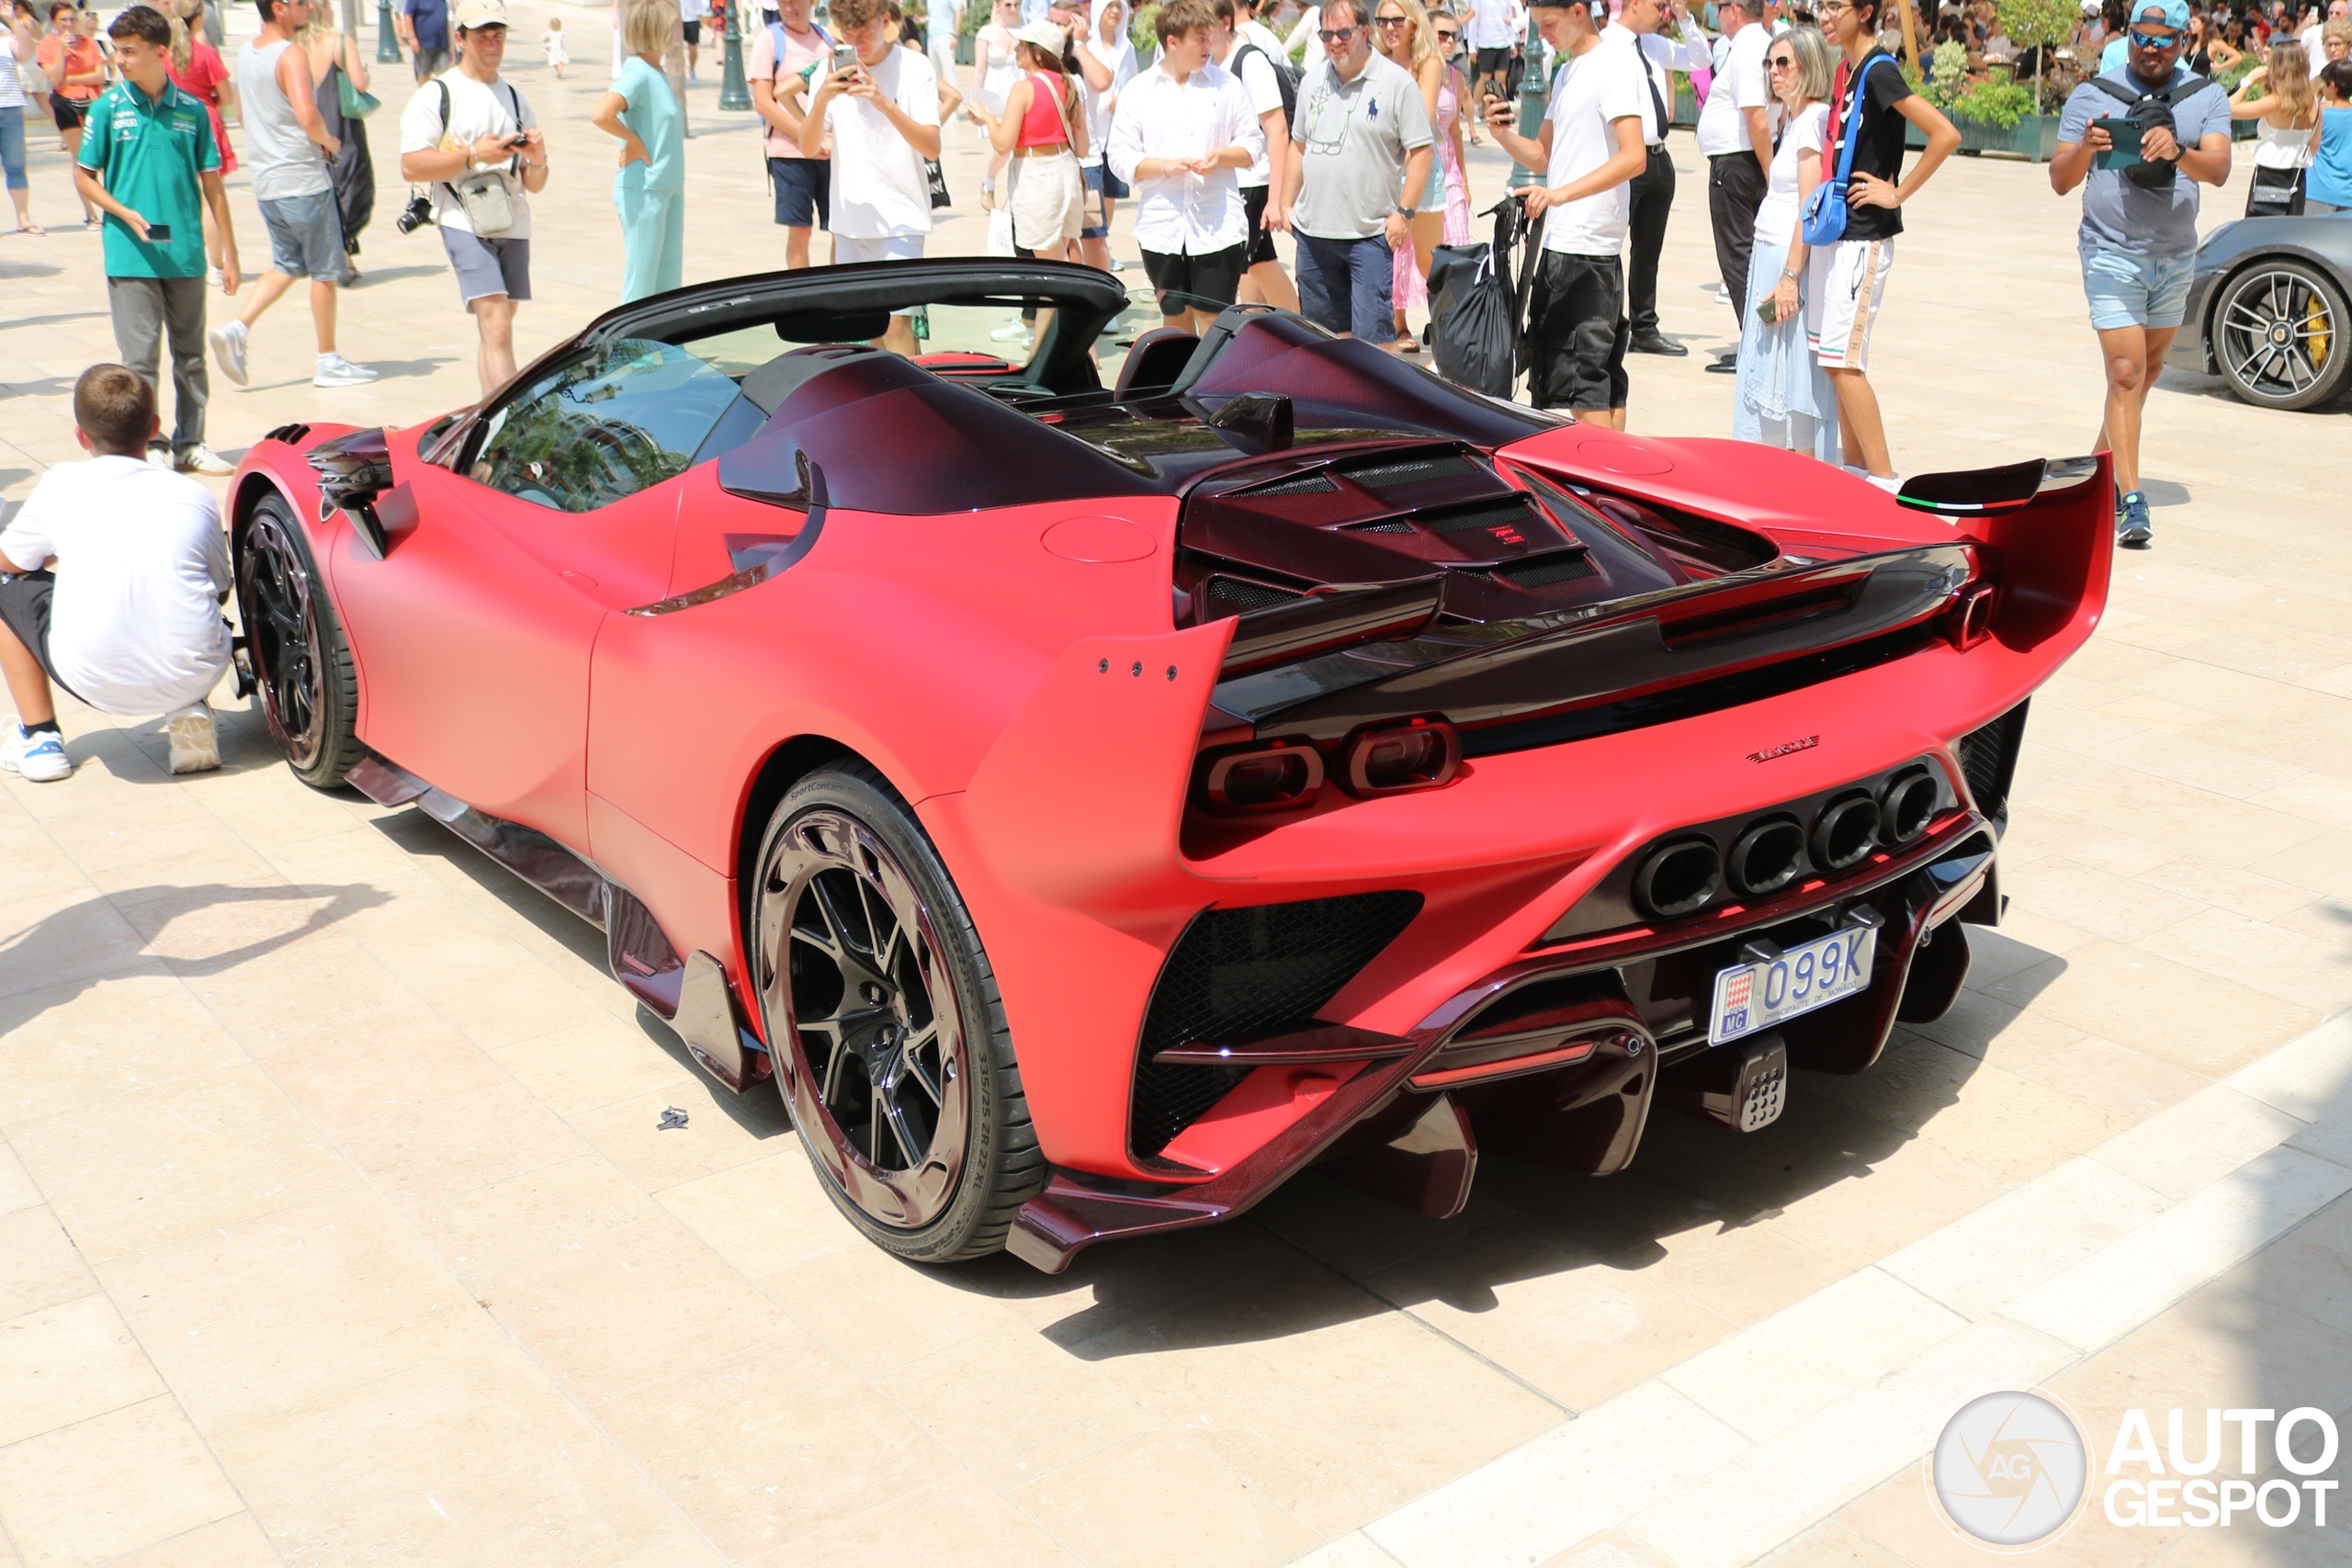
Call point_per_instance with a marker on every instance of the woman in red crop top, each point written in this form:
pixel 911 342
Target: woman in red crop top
pixel 1042 129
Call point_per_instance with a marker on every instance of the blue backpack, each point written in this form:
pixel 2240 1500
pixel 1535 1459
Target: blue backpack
pixel 1825 209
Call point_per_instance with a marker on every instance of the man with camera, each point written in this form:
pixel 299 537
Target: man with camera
pixel 474 140
pixel 2139 140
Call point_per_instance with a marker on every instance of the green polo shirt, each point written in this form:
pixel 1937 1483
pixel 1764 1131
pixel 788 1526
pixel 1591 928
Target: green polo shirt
pixel 149 153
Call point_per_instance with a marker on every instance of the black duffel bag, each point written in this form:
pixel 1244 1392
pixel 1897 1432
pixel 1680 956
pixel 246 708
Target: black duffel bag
pixel 1478 305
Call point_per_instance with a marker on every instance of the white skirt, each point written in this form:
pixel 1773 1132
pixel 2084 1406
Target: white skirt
pixel 1048 201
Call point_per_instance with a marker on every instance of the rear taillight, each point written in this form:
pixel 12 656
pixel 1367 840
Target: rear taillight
pixel 1263 778
pixel 1422 754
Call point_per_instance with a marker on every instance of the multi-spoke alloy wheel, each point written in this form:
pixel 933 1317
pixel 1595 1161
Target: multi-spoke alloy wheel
pixel 2279 335
pixel 895 1061
pixel 300 664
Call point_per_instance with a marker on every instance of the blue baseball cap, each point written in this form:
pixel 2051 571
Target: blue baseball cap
pixel 2173 14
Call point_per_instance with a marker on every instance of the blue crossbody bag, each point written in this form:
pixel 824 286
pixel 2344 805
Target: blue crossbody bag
pixel 1825 209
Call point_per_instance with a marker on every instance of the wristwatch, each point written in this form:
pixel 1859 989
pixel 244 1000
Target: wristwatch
pixel 1403 210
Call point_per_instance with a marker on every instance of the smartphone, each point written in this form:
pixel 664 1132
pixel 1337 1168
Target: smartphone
pixel 844 57
pixel 2125 133
pixel 158 233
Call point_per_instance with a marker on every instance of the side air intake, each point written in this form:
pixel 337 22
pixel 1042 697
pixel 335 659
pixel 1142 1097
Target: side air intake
pixel 1243 973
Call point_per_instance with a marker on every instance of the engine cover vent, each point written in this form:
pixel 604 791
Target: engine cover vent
pixel 1512 514
pixel 1545 571
pixel 1305 484
pixel 1239 972
pixel 1244 595
pixel 1381 477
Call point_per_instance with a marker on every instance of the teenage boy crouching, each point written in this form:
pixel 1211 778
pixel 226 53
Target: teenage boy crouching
pixel 111 582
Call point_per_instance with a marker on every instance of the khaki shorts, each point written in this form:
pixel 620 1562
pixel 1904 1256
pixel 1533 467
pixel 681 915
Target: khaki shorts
pixel 1850 283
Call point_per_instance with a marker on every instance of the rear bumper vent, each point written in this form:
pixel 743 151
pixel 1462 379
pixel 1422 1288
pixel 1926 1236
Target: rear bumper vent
pixel 1241 973
pixel 1989 758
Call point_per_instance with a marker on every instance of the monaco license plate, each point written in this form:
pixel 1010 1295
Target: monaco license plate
pixel 1766 990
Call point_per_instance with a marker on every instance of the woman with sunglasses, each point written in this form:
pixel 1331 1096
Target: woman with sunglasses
pixel 1784 397
pixel 1400 30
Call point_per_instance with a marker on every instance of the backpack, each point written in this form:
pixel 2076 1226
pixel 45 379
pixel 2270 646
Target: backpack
pixel 1286 77
pixel 2151 110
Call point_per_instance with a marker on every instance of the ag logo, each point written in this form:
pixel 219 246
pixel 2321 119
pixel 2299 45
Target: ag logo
pixel 2009 1471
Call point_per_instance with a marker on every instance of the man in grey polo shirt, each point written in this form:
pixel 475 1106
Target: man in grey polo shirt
pixel 1359 157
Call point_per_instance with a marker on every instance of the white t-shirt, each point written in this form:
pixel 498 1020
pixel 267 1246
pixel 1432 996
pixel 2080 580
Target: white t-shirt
pixel 1776 214
pixel 1264 91
pixel 879 186
pixel 1120 62
pixel 135 624
pixel 1738 86
pixel 476 110
pixel 1590 93
pixel 1491 24
pixel 1260 35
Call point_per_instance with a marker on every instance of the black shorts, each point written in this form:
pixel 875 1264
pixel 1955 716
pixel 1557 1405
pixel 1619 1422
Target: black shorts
pixel 694 30
pixel 803 192
pixel 1576 333
pixel 24 610
pixel 1259 245
pixel 1215 277
pixel 68 112
pixel 1494 61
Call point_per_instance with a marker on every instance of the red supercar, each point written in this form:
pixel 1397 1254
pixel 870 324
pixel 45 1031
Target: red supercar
pixel 1090 807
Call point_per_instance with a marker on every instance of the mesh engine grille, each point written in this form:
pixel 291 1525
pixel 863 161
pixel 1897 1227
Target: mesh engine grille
pixel 1240 972
pixel 1305 484
pixel 1478 514
pixel 1379 528
pixel 1247 595
pixel 1547 569
pixel 1387 476
pixel 1989 758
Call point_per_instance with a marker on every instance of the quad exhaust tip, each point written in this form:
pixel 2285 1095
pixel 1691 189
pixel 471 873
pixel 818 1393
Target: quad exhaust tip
pixel 1680 878
pixel 1767 857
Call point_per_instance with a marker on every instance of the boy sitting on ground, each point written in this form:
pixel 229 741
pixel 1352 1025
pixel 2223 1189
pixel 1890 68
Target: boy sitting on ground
pixel 129 621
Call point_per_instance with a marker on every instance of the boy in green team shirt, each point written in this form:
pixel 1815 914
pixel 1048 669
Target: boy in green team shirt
pixel 147 159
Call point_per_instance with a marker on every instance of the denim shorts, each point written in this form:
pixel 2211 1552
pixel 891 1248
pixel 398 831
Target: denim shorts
pixel 12 146
pixel 2126 290
pixel 305 236
pixel 1343 286
pixel 803 186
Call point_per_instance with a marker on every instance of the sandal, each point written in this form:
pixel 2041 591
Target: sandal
pixel 33 229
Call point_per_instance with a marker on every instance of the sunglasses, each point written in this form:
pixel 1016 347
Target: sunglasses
pixel 2153 40
pixel 1782 62
pixel 1337 35
pixel 1446 34
pixel 1389 22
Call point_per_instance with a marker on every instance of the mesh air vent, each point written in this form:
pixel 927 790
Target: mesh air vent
pixel 1238 973
pixel 1392 527
pixel 1380 476
pixel 1243 594
pixel 1989 759
pixel 1305 484
pixel 1511 514
pixel 1545 571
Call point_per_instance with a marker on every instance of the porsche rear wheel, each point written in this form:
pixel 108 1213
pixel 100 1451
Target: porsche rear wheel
pixel 2279 335
pixel 894 1057
pixel 309 689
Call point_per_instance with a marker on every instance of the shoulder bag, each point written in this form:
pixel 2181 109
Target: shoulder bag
pixel 483 195
pixel 1825 209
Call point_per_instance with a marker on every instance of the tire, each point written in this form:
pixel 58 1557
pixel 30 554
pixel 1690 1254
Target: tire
pixel 308 686
pixel 892 1051
pixel 2279 335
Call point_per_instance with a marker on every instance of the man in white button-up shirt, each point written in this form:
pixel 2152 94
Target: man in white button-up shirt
pixel 1182 132
pixel 1640 26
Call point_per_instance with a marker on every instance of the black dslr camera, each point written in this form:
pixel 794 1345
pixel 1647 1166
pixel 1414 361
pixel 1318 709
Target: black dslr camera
pixel 416 215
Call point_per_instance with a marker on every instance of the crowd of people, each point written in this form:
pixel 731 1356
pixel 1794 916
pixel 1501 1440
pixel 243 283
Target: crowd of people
pixel 1223 143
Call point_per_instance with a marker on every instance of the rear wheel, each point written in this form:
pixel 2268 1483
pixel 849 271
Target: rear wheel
pixel 2279 335
pixel 892 1051
pixel 309 689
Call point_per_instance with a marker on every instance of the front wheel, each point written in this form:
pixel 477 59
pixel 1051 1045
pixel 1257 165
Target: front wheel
pixel 2279 335
pixel 308 687
pixel 891 1048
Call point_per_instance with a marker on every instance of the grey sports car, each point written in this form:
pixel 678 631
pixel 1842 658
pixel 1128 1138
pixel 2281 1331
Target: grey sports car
pixel 2267 310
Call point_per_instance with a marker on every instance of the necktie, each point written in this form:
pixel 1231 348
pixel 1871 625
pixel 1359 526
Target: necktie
pixel 1658 104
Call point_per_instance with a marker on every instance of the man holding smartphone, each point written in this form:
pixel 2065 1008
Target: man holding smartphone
pixel 151 165
pixel 880 106
pixel 2137 239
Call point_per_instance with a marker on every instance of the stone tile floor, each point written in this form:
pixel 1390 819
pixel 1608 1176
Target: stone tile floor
pixel 336 1225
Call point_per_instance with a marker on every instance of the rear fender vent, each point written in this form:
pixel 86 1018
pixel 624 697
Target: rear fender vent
pixel 1545 570
pixel 1317 483
pixel 1244 595
pixel 1989 758
pixel 1242 973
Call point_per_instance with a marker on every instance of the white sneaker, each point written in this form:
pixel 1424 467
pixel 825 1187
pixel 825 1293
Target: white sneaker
pixel 1889 483
pixel 160 456
pixel 334 370
pixel 1010 332
pixel 228 348
pixel 213 279
pixel 202 459
pixel 196 744
pixel 40 758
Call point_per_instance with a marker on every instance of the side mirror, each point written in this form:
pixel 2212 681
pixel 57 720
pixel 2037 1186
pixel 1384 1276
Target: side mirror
pixel 353 471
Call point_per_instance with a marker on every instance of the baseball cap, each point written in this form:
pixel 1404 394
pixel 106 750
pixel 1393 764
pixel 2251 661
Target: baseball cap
pixel 2173 14
pixel 1044 35
pixel 472 14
